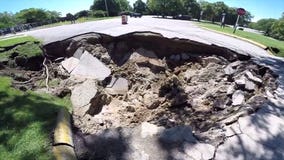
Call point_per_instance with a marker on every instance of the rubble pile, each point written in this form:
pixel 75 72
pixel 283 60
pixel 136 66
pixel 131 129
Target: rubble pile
pixel 145 78
pixel 203 92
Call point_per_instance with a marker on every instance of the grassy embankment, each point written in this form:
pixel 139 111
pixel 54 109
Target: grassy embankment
pixel 23 46
pixel 27 119
pixel 264 40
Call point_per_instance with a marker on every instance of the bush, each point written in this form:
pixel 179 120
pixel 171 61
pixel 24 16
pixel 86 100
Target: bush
pixel 99 13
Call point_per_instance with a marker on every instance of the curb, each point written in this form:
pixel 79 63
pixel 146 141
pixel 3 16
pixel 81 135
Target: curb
pixel 241 38
pixel 63 146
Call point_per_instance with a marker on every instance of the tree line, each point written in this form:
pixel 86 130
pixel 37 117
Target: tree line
pixel 201 9
pixel 192 8
pixel 271 27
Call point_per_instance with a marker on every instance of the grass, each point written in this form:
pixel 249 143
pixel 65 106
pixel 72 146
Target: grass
pixel 25 46
pixel 27 121
pixel 264 40
pixel 6 42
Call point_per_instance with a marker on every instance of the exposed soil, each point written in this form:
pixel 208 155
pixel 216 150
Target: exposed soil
pixel 173 91
pixel 171 82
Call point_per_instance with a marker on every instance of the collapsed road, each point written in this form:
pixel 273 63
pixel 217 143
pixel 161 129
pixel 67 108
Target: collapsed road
pixel 145 96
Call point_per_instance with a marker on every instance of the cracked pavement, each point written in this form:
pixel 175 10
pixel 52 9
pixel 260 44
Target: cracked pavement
pixel 257 136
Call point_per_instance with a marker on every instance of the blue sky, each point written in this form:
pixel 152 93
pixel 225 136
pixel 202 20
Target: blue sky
pixel 258 8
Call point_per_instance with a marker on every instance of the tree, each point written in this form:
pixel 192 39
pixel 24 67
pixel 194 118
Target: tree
pixel 278 30
pixel 53 15
pixel 139 6
pixel 208 10
pixel 32 15
pixel 123 5
pixel 174 7
pixel 7 20
pixel 83 13
pixel 191 7
pixel 282 17
pixel 114 6
pixel 265 25
pixel 165 7
pixel 219 8
pixel 151 7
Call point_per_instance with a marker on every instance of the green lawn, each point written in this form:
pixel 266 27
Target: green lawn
pixel 26 123
pixel 6 42
pixel 29 47
pixel 264 40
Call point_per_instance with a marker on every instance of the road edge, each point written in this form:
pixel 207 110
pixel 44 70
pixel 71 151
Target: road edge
pixel 241 38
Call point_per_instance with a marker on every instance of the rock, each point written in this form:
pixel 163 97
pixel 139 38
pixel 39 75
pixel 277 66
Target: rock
pixel 97 103
pixel 219 103
pixel 230 89
pixel 229 70
pixel 268 133
pixel 151 101
pixel 249 85
pixel 241 82
pixel 130 109
pixel 235 64
pixel 70 64
pixel 148 130
pixel 62 92
pixel 184 56
pixel 83 93
pixel 78 53
pixel 242 147
pixel 154 105
pixel 208 60
pixel 117 86
pixel 238 98
pixel 251 77
pixel 146 53
pixel 91 67
pixel 71 49
pixel 199 151
pixel 106 59
pixel 179 134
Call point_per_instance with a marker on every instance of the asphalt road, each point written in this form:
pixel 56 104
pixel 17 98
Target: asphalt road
pixel 258 136
pixel 167 27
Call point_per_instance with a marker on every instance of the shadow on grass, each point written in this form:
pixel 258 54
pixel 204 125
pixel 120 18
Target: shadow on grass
pixel 27 121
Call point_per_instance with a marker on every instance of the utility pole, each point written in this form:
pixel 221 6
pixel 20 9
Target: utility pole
pixel 106 8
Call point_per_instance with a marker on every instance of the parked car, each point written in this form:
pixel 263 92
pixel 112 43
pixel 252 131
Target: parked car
pixel 182 17
pixel 135 15
pixel 125 13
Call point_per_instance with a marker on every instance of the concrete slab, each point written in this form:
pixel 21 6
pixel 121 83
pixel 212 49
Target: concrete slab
pixel 78 53
pixel 265 128
pixel 90 67
pixel 70 64
pixel 117 86
pixel 242 147
pixel 83 93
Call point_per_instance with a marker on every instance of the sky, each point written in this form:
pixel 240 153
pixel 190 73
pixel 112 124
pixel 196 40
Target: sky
pixel 258 8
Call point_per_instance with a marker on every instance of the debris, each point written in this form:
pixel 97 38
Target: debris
pixel 253 78
pixel 117 86
pixel 91 67
pixel 238 98
pixel 70 64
